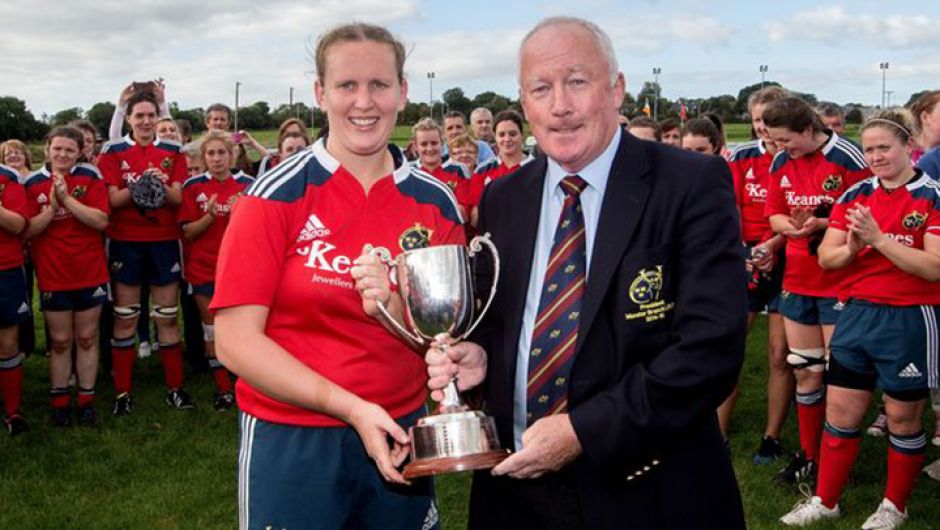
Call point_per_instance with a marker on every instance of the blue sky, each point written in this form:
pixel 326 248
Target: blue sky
pixel 704 48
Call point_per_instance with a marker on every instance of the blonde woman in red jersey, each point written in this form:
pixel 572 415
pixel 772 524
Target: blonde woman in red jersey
pixel 885 233
pixel 813 168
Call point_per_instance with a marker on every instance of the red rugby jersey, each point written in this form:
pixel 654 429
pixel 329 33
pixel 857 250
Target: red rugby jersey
pixel 200 254
pixel 456 176
pixel 13 198
pixel 906 215
pixel 68 254
pixel 814 180
pixel 290 245
pixel 750 167
pixel 488 172
pixel 123 161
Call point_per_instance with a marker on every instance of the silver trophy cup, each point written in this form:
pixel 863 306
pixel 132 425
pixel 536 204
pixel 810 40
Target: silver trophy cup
pixel 436 285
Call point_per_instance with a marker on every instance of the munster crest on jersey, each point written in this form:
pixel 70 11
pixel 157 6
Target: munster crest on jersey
pixel 79 191
pixel 914 220
pixel 417 236
pixel 832 183
pixel 167 163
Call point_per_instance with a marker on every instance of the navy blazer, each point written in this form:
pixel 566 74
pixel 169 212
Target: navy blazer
pixel 661 342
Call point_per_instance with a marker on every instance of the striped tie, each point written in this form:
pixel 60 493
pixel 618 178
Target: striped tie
pixel 556 325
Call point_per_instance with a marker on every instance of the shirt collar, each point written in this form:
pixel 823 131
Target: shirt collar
pixel 595 173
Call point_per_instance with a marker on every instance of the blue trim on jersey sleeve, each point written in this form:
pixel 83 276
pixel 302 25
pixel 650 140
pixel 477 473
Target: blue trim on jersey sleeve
pixel 846 155
pixel 9 173
pixel 864 187
pixel 493 163
pixel 36 177
pixel 455 169
pixel 244 179
pixel 746 150
pixel 169 145
pixel 425 192
pixel 87 170
pixel 289 180
pixel 116 146
pixel 780 159
pixel 195 179
pixel 929 190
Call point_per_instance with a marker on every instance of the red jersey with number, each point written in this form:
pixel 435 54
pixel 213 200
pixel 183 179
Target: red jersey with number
pixel 812 182
pixel 200 254
pixel 488 172
pixel 905 214
pixel 13 199
pixel 750 167
pixel 68 254
pixel 457 178
pixel 290 246
pixel 124 161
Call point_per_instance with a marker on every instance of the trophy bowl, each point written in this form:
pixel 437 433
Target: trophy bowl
pixel 436 286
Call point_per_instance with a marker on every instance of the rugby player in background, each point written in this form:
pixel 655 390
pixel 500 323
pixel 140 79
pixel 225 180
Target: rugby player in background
pixel 508 127
pixel 428 140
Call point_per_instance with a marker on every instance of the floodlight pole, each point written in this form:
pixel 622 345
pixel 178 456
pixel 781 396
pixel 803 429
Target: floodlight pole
pixel 884 71
pixel 237 86
pixel 431 76
pixel 656 72
pixel 763 73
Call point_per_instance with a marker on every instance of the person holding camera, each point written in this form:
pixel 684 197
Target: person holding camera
pixel 144 176
pixel 813 169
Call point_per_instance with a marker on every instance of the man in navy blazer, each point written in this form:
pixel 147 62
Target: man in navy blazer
pixel 660 339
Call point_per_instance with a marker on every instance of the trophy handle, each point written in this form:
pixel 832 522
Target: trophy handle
pixel 386 257
pixel 476 245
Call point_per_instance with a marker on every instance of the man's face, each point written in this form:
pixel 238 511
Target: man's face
pixel 834 123
pixel 217 120
pixel 567 95
pixel 481 122
pixel 453 127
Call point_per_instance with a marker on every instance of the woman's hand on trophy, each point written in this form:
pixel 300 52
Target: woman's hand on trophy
pixel 372 282
pixel 465 361
pixel 384 440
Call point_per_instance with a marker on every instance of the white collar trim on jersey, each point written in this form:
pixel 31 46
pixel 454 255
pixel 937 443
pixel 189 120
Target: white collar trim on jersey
pixel 830 144
pixel 331 164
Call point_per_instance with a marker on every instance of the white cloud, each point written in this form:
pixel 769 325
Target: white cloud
pixel 835 26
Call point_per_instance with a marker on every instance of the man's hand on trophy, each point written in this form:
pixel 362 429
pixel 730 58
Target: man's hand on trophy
pixel 372 282
pixel 384 440
pixel 465 361
pixel 548 445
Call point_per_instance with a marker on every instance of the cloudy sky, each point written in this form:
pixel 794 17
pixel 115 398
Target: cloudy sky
pixel 57 55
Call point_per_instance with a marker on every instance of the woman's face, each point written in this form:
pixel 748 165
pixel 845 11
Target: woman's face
pixel 887 155
pixel 757 121
pixel 361 95
pixel 14 158
pixel 428 145
pixel 291 145
pixel 466 156
pixel 508 139
pixel 697 143
pixel 931 125
pixel 217 158
pixel 294 128
pixel 194 165
pixel 62 154
pixel 673 137
pixel 166 130
pixel 89 149
pixel 797 144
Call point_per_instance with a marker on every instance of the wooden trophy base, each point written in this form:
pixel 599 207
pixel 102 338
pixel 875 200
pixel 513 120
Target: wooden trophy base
pixel 452 464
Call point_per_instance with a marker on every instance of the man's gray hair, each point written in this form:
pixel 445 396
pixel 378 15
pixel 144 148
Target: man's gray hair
pixel 830 109
pixel 600 37
pixel 479 110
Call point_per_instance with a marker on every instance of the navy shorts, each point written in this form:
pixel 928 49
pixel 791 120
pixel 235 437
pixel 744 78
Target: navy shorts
pixel 14 302
pixel 895 348
pixel 74 300
pixel 809 310
pixel 321 477
pixel 203 289
pixel 145 262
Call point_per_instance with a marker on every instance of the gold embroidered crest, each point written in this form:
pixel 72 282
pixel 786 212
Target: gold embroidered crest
pixel 914 220
pixel 832 183
pixel 418 236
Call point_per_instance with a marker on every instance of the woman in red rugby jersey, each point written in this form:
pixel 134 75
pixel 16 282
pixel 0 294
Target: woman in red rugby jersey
pixel 69 210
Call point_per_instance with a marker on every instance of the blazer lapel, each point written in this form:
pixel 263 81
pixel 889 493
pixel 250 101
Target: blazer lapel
pixel 621 210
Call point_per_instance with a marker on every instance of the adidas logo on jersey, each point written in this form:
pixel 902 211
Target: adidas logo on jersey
pixel 42 198
pixel 23 309
pixel 910 371
pixel 202 197
pixel 313 229
pixel 785 182
pixel 175 267
pixel 749 175
pixel 125 166
pixel 98 292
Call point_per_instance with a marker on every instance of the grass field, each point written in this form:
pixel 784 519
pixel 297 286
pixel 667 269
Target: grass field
pixel 164 469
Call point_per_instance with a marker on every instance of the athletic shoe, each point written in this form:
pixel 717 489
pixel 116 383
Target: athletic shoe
pixel 223 401
pixel 179 399
pixel 770 449
pixel 886 517
pixel 799 470
pixel 16 424
pixel 144 351
pixel 62 417
pixel 87 417
pixel 933 470
pixel 123 404
pixel 879 427
pixel 809 511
